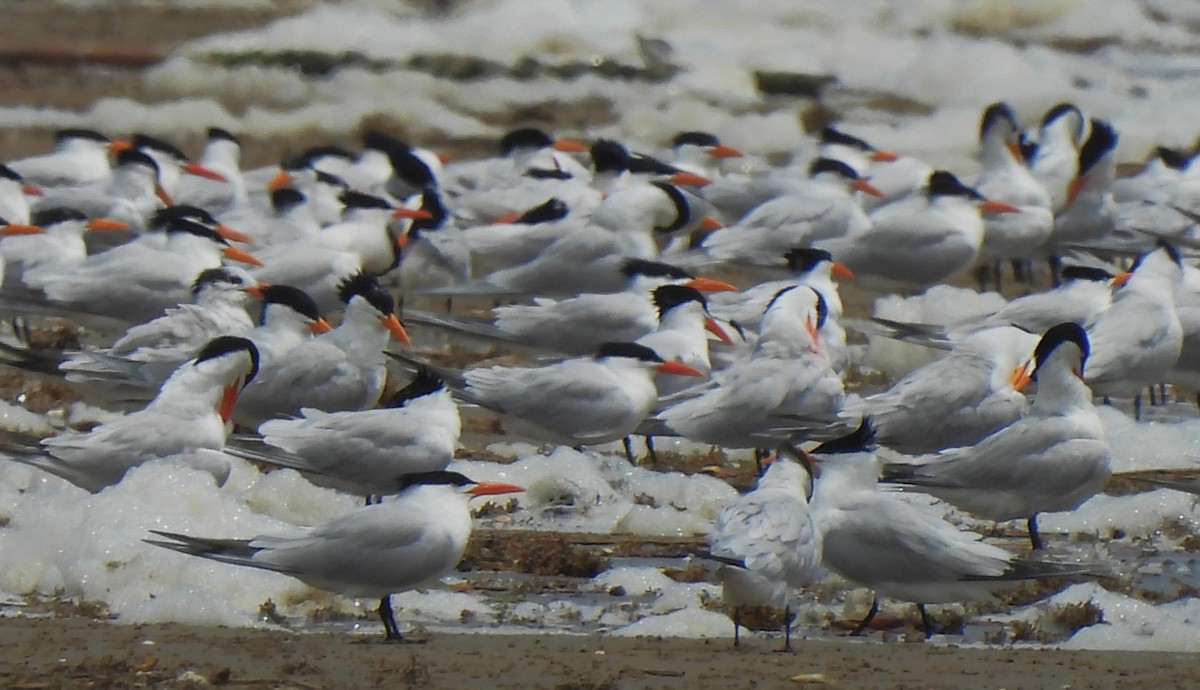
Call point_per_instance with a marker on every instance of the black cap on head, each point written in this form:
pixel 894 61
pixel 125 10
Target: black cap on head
pixel 667 297
pixel 1086 273
pixel 225 344
pixel 652 269
pixel 861 440
pixel 286 198
pixel 830 165
pixel 1101 141
pixel 145 141
pixel 424 383
pixel 366 286
pixel 52 216
pixel 829 135
pixel 293 297
pixel 629 350
pixel 1173 158
pixel 801 260
pixel 438 477
pixel 352 199
pixel 609 156
pixel 379 141
pixel 10 174
pixel 551 210
pixel 944 183
pixel 136 157
pixel 1057 335
pixel 184 211
pixel 995 114
pixel 1058 111
pixel 695 138
pixel 80 133
pixel 683 209
pixel 524 138
pixel 411 169
pixel 218 133
pixel 212 276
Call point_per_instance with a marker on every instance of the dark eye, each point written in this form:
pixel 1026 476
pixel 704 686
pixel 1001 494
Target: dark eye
pixel 237 281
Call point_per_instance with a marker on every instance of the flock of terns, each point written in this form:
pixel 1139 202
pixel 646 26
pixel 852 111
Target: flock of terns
pixel 212 290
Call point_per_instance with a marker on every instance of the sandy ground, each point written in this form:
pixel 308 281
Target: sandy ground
pixel 77 652
pixel 72 653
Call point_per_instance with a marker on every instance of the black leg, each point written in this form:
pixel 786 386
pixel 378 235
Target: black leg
pixel 737 624
pixel 628 443
pixel 858 629
pixel 925 622
pixel 650 451
pixel 1035 539
pixel 1152 395
pixel 449 304
pixel 390 629
pixel 759 454
pixel 787 629
pixel 981 276
pixel 1137 408
pixel 997 271
pixel 1018 271
pixel 1055 267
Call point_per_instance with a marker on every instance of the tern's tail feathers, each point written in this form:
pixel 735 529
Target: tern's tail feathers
pixel 1033 569
pixel 235 551
pixel 253 448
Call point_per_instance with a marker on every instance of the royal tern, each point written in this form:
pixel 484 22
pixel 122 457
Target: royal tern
pixel 618 168
pixel 958 399
pixel 339 370
pixel 922 239
pixel 701 153
pixel 131 193
pixel 404 543
pixel 222 157
pixel 1004 177
pixel 364 452
pixel 505 244
pixel 1137 340
pixel 684 325
pixel 1052 459
pixel 767 543
pixel 80 156
pixel 187 420
pixel 876 539
pixel 1055 160
pixel 1089 211
pixel 53 240
pixel 824 209
pixel 787 375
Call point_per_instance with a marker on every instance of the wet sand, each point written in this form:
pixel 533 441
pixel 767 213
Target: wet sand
pixel 75 653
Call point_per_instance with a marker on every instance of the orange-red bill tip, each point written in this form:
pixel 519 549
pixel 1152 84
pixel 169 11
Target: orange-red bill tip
pixel 1021 376
pixel 680 369
pixel 403 240
pixel 194 168
pixel 413 213
pixel 570 145
pixel 32 190
pixel 992 206
pixel 866 187
pixel 884 156
pixel 494 489
pixel 229 401
pixel 1015 149
pixel 710 223
pixel 107 224
pixel 235 254
pixel 505 219
pixel 841 270
pixel 723 151
pixel 688 179
pixel 711 325
pixel 392 323
pixel 21 229
pixel 234 235
pixel 709 285
pixel 1074 188
pixel 319 326
pixel 256 291
pixel 282 179
pixel 1121 278
pixel 119 145
pixel 163 196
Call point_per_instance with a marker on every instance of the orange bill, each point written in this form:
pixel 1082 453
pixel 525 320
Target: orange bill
pixel 1121 278
pixel 163 196
pixel 392 323
pixel 505 219
pixel 867 188
pixel 319 326
pixel 570 145
pixel 20 229
pixel 256 291
pixel 119 145
pixel 111 224
pixel 282 179
pixel 229 400
pixel 1074 187
pixel 841 270
pixel 810 325
pixel 711 325
pixel 991 206
pixel 1015 149
pixel 235 254
pixel 414 213
pixel 723 151
pixel 709 285
pixel 884 156
pixel 402 240
pixel 234 235
pixel 1021 376
pixel 494 489
pixel 680 369
pixel 194 168
pixel 710 223
pixel 688 179
pixel 31 190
